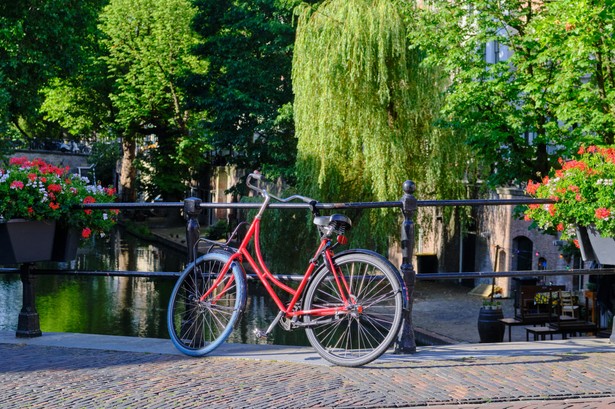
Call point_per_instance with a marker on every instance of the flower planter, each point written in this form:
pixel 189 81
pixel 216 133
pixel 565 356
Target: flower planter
pixel 57 196
pixel 26 241
pixel 65 243
pixel 595 247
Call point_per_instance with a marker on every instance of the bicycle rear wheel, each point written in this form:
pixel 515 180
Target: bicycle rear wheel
pixel 368 329
pixel 197 326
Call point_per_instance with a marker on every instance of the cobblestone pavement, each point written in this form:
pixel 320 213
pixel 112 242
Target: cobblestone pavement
pixel 35 376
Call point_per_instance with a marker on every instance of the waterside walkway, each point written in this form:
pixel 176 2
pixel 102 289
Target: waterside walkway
pixel 96 371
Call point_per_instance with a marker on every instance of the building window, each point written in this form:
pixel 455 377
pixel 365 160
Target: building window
pixel 542 263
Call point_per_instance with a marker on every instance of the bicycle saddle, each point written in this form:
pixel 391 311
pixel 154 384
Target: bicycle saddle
pixel 340 222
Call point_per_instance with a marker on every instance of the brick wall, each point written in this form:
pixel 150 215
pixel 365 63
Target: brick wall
pixel 497 231
pixel 72 160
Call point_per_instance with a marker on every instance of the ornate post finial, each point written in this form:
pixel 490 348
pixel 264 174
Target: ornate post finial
pixel 192 210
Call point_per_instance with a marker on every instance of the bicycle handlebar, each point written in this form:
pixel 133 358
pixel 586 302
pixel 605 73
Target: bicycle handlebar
pixel 260 177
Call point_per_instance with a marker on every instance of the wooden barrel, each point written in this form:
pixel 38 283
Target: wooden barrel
pixel 490 328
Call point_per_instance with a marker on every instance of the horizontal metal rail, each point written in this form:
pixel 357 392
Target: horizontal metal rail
pixel 192 207
pixel 322 206
pixel 104 273
pixel 129 273
pixel 298 277
pixel 514 274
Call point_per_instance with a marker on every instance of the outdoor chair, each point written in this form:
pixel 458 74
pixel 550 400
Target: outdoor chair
pixel 567 304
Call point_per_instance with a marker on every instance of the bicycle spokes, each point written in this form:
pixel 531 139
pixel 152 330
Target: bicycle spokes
pixel 205 304
pixel 371 313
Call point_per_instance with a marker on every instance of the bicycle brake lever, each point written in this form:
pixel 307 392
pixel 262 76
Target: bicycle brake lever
pixel 256 175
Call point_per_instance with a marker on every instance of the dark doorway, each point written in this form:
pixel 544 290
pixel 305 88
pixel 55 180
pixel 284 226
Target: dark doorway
pixel 469 258
pixel 522 253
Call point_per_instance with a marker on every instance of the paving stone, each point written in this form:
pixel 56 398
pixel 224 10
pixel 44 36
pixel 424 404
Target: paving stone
pixel 33 376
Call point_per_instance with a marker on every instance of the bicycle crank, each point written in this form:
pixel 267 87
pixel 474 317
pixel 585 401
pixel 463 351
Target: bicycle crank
pixel 264 334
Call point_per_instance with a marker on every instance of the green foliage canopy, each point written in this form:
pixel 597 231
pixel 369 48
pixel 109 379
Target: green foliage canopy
pixel 554 92
pixel 148 44
pixel 39 40
pixel 246 90
pixel 577 38
pixel 364 110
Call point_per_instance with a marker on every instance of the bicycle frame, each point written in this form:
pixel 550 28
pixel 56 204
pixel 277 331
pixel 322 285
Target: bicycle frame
pixel 269 281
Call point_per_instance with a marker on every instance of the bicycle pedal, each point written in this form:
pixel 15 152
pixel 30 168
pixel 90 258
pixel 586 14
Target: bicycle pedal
pixel 260 334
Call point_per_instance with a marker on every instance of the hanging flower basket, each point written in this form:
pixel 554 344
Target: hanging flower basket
pixel 26 241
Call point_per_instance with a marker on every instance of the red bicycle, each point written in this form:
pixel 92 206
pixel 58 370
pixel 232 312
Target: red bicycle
pixel 350 304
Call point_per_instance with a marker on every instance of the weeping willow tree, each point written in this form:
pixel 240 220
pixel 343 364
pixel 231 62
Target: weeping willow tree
pixel 364 112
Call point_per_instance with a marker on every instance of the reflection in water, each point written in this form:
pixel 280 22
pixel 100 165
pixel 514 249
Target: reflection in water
pixel 103 305
pixel 122 305
pixel 10 301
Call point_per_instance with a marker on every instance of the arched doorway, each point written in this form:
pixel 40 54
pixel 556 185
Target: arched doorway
pixel 522 253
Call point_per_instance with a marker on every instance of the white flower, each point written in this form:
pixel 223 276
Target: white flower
pixel 605 182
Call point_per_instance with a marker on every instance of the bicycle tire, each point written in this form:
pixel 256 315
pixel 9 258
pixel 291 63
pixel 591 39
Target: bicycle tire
pixel 198 327
pixel 361 336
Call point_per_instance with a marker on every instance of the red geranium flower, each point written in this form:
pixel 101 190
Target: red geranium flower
pixel 17 184
pixel 602 213
pixel 54 188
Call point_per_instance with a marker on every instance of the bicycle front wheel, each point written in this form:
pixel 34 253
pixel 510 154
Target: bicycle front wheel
pixel 198 325
pixel 373 319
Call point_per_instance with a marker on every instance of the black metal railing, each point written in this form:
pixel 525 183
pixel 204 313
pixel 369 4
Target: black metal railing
pixel 28 321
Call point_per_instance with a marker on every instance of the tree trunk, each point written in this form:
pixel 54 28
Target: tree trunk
pixel 128 172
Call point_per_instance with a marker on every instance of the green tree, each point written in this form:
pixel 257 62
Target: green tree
pixel 246 90
pixel 39 40
pixel 577 38
pixel 80 104
pixel 521 113
pixel 364 110
pixel 148 44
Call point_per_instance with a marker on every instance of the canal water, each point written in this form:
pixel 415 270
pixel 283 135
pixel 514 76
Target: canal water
pixel 130 306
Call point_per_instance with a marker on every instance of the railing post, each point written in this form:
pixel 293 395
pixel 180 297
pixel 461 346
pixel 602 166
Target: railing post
pixel 406 343
pixel 28 325
pixel 192 209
